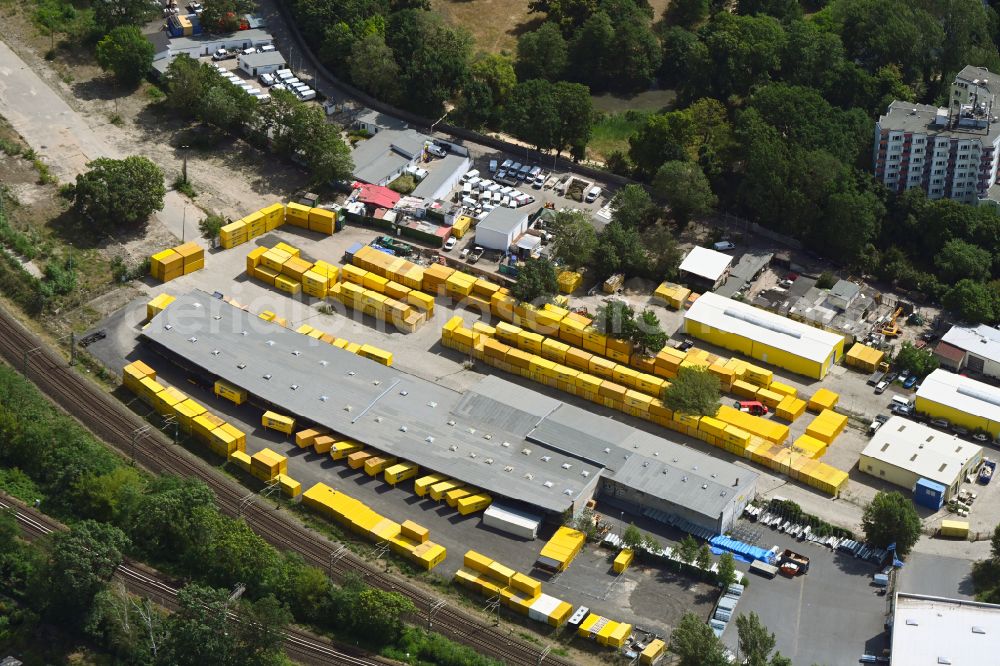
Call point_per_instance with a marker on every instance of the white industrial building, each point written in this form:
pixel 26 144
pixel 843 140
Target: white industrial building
pixel 500 228
pixel 903 451
pixel 206 44
pixel 705 268
pixel 930 631
pixel 963 401
pixel 979 347
pixel 256 64
pixel 442 176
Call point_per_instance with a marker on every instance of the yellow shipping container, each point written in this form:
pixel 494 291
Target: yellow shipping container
pixel 322 220
pixel 297 215
pixel 232 393
pixel 274 258
pixel 289 486
pixel 274 421
pixel 823 399
pixel 623 560
pixel 287 284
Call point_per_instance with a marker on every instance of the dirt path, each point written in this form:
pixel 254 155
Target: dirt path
pixel 68 125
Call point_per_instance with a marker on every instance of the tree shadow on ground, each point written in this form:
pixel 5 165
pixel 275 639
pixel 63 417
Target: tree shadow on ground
pixel 70 227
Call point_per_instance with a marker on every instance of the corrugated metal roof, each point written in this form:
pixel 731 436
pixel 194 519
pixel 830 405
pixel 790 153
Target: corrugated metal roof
pixel 390 150
pixel 439 175
pixel 983 340
pixel 921 450
pixel 705 263
pixel 962 393
pixel 762 326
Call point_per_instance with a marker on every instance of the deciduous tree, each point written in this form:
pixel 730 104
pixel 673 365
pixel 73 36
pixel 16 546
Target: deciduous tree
pixel 542 54
pixel 694 392
pixel 632 207
pixel 119 192
pixel 727 570
pixel 920 362
pixel 373 67
pixel 648 336
pixel 109 14
pixel 972 301
pixel 575 238
pixel 694 643
pixel 82 561
pixel 126 53
pixel 686 190
pixel 536 281
pixel 891 518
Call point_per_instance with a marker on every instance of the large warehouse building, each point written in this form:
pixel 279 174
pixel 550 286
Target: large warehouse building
pixel 539 452
pixel 976 349
pixel 903 452
pixel 928 631
pixel 962 401
pixel 763 335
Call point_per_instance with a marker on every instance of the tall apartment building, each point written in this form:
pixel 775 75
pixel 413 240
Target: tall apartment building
pixel 951 151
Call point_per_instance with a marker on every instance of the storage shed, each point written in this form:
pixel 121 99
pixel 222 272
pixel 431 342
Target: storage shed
pixel 704 268
pixel 256 64
pixel 904 453
pixel 763 335
pixel 500 227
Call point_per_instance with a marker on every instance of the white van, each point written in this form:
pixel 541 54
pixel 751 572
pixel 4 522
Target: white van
pixel 267 48
pixel 900 401
pixel 469 175
pixel 592 194
pixel 248 51
pixel 308 95
pixel 284 74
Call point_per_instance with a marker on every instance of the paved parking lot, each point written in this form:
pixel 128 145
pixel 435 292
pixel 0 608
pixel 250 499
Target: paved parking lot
pixel 830 616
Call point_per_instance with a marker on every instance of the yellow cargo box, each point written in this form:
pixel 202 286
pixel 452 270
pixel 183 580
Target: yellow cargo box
pixel 452 496
pixel 323 443
pixel 295 268
pixel 234 394
pixel 322 220
pixel 423 485
pixel 652 652
pixel 164 401
pixel 414 532
pixel 279 422
pixel 623 560
pixel 287 284
pixel 158 305
pixel 357 459
pixel 304 438
pixel 241 459
pixel 790 408
pixel 265 274
pixel 375 465
pixel 477 561
pixel 955 528
pixel 289 486
pixel 297 215
pixel 203 425
pixel 186 412
pixel 344 448
pixel 823 399
pixel 441 487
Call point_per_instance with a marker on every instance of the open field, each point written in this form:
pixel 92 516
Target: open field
pixel 494 24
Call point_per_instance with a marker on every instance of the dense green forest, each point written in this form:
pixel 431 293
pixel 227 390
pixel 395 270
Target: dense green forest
pixel 62 586
pixel 775 109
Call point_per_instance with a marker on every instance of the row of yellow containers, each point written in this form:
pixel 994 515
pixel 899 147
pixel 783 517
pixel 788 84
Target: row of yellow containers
pixel 561 352
pixel 864 358
pixel 715 431
pixel 672 295
pixel 253 225
pixel 404 317
pixel 177 261
pixel 604 631
pixel 562 548
pixel 323 441
pixel 158 305
pixel 370 352
pixel 385 265
pixel 517 590
pixel 795 462
pixel 466 499
pixel 390 288
pixel 222 438
pixel 407 539
pixel 314 219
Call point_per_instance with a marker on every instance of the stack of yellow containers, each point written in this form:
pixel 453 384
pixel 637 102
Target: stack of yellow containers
pixel 823 399
pixel 266 465
pixel 385 265
pixel 169 265
pixel 368 351
pixel 755 425
pixel 435 277
pixel 827 426
pixel 672 295
pixel 790 408
pixel 604 631
pixel 561 549
pixel 401 315
pixel 517 591
pixel 408 539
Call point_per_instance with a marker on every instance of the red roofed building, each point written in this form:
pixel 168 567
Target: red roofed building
pixel 375 196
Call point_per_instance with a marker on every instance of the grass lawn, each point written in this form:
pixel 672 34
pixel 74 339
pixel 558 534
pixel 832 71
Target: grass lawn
pixel 494 24
pixel 612 132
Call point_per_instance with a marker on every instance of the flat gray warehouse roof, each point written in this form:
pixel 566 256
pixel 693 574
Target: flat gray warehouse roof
pixel 400 414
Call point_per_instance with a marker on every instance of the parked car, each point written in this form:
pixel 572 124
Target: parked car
pixel 724 246
pixel 513 169
pixel 450 243
pixel 960 431
pixel 592 194
pixel 785 284
pixel 877 423
pixel 901 410
pixel 507 164
pixel 940 423
pixel 685 345
pixel 891 377
pixel 465 252
pixel 476 254
pixel 523 172
pixel 493 166
pixel 909 382
pixel 881 387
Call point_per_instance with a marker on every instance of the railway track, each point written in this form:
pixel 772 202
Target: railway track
pixel 118 426
pixel 138 579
